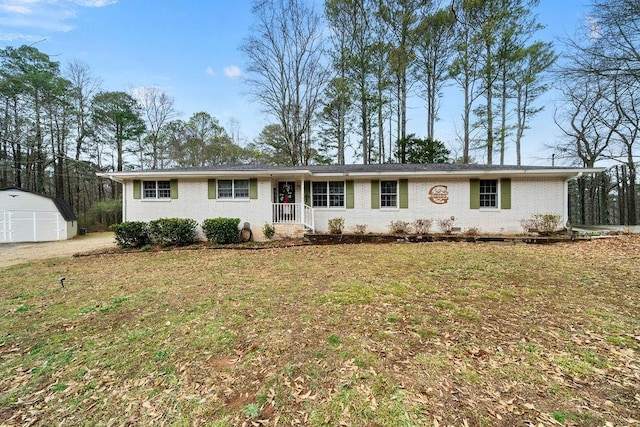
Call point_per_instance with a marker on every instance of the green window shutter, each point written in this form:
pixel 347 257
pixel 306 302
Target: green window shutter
pixel 505 193
pixel 174 188
pixel 375 194
pixel 137 189
pixel 349 193
pixel 404 193
pixel 253 188
pixel 474 186
pixel 307 193
pixel 211 188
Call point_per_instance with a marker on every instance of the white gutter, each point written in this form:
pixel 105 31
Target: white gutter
pixel 569 173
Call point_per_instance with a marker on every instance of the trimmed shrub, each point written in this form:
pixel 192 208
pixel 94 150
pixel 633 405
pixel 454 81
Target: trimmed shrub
pixel 131 234
pixel 528 225
pixel 399 227
pixel 446 225
pixel 336 225
pixel 422 226
pixel 173 231
pixel 221 230
pixel 472 231
pixel 269 231
pixel 361 228
pixel 547 223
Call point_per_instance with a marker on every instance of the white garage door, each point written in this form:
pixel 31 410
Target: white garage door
pixel 29 226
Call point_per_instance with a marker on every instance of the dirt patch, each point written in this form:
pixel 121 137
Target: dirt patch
pixel 18 253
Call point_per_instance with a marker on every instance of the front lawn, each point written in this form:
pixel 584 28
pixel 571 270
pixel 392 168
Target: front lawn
pixel 381 335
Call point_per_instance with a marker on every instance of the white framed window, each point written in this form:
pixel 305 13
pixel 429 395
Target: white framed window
pixel 388 194
pixel 488 193
pixel 156 189
pixel 233 188
pixel 327 194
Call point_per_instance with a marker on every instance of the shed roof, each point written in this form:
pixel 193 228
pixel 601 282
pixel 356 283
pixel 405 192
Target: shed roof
pixel 63 207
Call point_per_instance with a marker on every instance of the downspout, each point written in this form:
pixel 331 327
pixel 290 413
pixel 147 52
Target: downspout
pixel 124 202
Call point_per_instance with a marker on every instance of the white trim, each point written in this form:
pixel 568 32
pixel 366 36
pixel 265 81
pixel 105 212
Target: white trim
pixel 328 194
pixel 497 193
pixel 156 189
pixel 299 174
pixel 389 208
pixel 233 190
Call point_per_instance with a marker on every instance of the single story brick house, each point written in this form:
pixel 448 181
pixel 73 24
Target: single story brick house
pixel 32 217
pixel 296 199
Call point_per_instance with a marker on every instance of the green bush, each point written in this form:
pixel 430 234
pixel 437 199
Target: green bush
pixel 173 231
pixel 269 231
pixel 132 234
pixel 221 230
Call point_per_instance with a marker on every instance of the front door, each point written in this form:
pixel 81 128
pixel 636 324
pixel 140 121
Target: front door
pixel 286 211
pixel 286 192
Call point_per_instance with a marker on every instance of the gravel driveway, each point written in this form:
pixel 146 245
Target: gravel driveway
pixel 18 253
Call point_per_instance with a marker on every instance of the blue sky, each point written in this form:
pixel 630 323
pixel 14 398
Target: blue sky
pixel 190 49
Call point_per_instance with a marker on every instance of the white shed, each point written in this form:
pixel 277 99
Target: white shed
pixel 31 217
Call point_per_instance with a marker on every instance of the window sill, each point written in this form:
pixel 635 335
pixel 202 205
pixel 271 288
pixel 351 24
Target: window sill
pixel 232 200
pixel 329 208
pixel 156 200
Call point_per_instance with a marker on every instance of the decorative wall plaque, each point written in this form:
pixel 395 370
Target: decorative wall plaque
pixel 439 194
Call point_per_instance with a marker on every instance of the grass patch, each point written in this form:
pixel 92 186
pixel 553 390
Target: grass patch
pixel 322 336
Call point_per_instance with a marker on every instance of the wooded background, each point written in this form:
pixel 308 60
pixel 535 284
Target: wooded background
pixel 341 95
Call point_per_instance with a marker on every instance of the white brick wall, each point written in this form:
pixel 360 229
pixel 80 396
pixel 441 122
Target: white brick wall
pixel 193 202
pixel 528 197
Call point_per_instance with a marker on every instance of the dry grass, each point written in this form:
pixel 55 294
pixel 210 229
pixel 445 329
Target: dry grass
pixel 379 335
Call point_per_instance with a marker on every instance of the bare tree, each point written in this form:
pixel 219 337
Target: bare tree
pixel 605 60
pixel 465 71
pixel 84 86
pixel 287 74
pixel 434 51
pixel 157 110
pixel 528 84
pixel 626 104
pixel 401 18
pixel 588 123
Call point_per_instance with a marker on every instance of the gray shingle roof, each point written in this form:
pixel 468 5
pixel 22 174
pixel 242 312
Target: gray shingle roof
pixel 358 168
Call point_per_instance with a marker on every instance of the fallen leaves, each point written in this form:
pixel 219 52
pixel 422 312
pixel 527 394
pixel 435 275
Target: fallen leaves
pixel 442 334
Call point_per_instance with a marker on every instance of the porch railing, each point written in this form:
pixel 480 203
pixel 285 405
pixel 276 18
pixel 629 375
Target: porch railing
pixel 293 213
